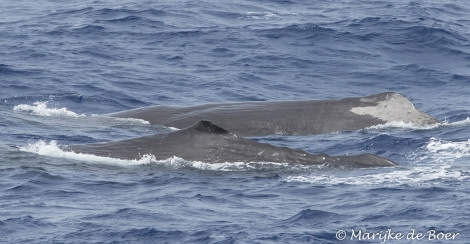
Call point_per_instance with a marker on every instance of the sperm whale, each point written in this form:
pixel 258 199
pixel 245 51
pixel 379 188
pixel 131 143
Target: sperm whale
pixel 312 117
pixel 207 142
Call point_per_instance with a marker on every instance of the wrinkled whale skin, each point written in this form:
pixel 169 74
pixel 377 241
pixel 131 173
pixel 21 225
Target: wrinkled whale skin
pixel 313 117
pixel 207 142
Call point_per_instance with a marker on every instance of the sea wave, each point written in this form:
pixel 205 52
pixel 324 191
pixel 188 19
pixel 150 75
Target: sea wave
pixel 41 109
pixel 403 125
pixel 436 162
pixel 443 150
pixel 102 57
pixel 44 110
pixel 412 126
pixel 460 122
pixel 420 175
pixel 52 149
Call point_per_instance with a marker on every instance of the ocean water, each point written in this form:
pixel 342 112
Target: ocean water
pixel 64 64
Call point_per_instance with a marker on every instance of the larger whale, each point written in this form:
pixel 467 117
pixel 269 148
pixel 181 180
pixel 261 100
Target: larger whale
pixel 205 141
pixel 289 117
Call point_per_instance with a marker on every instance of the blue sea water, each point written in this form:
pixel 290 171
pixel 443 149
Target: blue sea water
pixel 63 64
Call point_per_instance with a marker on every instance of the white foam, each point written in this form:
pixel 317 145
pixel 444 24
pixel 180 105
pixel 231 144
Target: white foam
pixel 132 120
pixel 173 128
pixel 458 123
pixel 51 149
pixel 239 166
pixel 404 125
pixel 41 109
pixel 414 126
pixel 259 16
pixel 416 175
pixel 434 163
pixel 444 150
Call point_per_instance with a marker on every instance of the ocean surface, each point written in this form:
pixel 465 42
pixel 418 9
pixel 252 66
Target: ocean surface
pixel 64 64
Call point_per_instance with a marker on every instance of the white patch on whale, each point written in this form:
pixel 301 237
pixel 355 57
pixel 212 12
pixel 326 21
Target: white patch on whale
pixel 395 108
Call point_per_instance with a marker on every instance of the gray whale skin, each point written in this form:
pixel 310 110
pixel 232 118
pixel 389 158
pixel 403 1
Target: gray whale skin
pixel 207 142
pixel 289 117
pixel 214 132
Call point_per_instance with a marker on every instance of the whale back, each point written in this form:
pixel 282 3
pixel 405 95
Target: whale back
pixel 208 142
pixel 289 117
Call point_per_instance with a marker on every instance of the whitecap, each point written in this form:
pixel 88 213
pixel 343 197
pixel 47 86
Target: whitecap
pixel 436 162
pixel 131 120
pixel 51 149
pixel 239 166
pixel 403 125
pixel 418 175
pixel 259 16
pixel 413 126
pixel 458 123
pixel 444 150
pixel 41 109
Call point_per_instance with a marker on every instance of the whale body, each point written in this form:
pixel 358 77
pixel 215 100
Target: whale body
pixel 214 133
pixel 289 117
pixel 207 142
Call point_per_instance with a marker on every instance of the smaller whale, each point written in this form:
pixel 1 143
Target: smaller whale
pixel 312 117
pixel 207 142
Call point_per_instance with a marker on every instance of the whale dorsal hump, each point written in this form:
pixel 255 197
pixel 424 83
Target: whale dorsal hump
pixel 208 127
